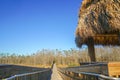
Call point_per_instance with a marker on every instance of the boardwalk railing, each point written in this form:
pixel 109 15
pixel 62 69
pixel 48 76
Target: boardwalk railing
pixel 40 75
pixel 68 75
pixel 87 72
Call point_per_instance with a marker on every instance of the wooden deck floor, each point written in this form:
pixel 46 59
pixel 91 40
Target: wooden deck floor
pixel 55 75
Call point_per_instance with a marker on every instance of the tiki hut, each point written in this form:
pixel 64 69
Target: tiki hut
pixel 99 24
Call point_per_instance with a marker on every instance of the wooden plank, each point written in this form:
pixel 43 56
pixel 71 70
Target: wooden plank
pixel 112 69
pixel 114 64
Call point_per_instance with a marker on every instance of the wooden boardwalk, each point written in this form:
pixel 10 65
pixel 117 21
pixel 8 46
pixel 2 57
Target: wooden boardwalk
pixel 55 75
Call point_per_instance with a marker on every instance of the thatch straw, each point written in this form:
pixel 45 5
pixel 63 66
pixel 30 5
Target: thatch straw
pixel 101 20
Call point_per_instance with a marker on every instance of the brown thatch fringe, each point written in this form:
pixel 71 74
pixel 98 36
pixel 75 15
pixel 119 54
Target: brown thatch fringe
pixel 105 40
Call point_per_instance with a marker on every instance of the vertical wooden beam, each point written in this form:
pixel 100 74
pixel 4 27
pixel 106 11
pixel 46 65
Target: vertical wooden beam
pixel 91 49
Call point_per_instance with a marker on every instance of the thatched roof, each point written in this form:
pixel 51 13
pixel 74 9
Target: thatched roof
pixel 99 19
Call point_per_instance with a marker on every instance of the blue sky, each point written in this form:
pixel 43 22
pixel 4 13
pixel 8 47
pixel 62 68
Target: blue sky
pixel 30 25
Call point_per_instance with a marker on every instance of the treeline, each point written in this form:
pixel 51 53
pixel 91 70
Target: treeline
pixel 70 57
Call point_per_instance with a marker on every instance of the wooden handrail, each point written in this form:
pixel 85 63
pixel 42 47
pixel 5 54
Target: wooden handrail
pixel 25 74
pixel 98 76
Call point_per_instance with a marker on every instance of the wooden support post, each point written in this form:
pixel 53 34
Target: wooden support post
pixel 91 49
